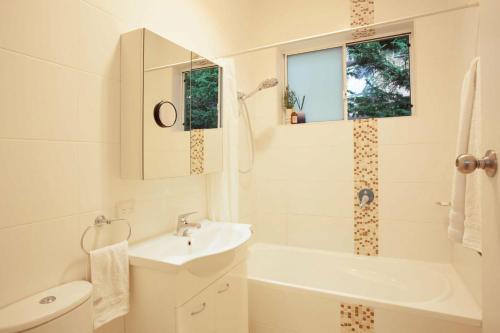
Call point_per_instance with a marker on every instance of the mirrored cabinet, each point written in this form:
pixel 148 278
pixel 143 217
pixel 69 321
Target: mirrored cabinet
pixel 171 111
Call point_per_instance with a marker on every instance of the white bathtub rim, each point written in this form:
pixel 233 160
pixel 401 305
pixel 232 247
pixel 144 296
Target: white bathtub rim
pixel 430 308
pixel 393 306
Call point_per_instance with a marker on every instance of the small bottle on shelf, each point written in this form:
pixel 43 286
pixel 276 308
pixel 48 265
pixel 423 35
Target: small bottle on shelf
pixel 294 119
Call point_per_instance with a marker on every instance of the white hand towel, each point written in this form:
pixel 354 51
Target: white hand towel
pixel 473 214
pixel 469 114
pixel 110 278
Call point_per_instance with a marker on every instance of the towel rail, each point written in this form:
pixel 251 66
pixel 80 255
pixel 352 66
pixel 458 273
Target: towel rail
pixel 99 222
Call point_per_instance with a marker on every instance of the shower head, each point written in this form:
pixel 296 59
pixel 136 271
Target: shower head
pixel 267 83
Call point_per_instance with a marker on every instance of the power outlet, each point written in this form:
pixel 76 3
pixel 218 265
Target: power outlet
pixel 125 208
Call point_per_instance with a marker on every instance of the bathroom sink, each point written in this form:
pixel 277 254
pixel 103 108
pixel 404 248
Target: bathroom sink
pixel 206 249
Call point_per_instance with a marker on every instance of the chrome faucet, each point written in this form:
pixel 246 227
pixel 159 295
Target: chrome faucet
pixel 365 196
pixel 183 226
pixel 364 200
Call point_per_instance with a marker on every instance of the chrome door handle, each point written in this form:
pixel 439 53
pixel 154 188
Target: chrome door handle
pixel 467 163
pixel 203 306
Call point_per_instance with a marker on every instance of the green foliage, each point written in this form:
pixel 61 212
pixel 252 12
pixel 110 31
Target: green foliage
pixel 202 108
pixel 384 65
pixel 289 98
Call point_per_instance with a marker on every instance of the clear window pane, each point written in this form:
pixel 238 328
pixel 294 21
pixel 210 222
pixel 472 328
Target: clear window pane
pixel 378 78
pixel 318 76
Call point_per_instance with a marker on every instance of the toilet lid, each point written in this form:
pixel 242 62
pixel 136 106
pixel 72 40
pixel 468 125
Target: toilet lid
pixel 43 307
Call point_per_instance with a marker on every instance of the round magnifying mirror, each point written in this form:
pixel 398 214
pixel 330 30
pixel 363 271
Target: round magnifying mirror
pixel 165 114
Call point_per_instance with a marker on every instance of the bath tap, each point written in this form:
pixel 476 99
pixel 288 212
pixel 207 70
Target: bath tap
pixel 365 196
pixel 364 200
pixel 183 226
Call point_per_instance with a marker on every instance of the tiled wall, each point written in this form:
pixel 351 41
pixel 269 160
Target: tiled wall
pixel 303 176
pixel 60 132
pixel 283 20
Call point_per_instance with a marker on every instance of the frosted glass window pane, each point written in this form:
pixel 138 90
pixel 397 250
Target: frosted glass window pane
pixel 318 76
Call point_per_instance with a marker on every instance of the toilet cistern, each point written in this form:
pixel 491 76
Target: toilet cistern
pixel 183 226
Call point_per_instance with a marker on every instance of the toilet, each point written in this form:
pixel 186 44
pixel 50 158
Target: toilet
pixel 63 309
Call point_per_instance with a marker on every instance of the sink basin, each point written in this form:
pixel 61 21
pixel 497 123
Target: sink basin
pixel 207 248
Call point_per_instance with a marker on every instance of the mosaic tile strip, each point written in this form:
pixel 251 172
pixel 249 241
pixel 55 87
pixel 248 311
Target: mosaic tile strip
pixel 362 13
pixel 365 138
pixel 197 151
pixel 363 33
pixel 356 318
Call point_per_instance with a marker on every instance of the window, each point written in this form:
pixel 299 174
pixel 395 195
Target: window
pixel 201 97
pixel 372 80
pixel 317 80
pixel 378 78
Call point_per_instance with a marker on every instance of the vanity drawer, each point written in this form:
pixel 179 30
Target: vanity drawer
pixel 198 314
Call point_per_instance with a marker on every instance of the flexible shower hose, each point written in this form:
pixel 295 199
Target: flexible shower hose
pixel 249 136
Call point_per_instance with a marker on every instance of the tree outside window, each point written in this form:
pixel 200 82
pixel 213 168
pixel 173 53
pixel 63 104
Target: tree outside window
pixel 378 78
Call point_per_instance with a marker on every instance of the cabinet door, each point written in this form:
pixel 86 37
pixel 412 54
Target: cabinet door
pixel 198 314
pixel 231 302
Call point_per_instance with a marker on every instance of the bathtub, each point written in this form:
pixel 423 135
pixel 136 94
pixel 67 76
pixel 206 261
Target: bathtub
pixel 296 290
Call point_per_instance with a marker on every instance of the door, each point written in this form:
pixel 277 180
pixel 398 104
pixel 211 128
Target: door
pixel 490 71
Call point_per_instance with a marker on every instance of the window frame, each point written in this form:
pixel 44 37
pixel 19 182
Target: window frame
pixel 344 45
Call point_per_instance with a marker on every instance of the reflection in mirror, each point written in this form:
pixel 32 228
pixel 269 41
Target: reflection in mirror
pixel 202 93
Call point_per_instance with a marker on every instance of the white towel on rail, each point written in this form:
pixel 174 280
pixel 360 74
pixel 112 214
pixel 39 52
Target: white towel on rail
pixel 110 277
pixel 465 212
pixel 473 214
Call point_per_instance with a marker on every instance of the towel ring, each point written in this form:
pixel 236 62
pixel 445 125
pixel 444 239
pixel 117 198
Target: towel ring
pixel 99 222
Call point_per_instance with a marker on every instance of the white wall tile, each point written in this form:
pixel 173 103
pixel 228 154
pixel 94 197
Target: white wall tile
pixel 419 241
pixel 46 29
pixel 99 38
pixel 95 174
pixel 416 162
pixel 38 180
pixel 272 196
pixel 270 228
pixel 122 9
pixel 98 109
pixel 39 98
pixel 414 201
pixel 321 232
pixel 326 198
pixel 321 163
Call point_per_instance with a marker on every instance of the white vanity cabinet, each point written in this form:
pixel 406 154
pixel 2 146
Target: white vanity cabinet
pixel 221 308
pixel 194 284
